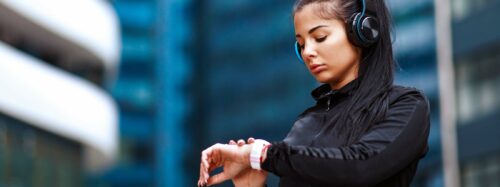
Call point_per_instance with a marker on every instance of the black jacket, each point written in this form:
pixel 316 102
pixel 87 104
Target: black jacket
pixel 386 155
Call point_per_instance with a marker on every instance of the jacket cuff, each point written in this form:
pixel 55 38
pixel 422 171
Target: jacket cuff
pixel 277 159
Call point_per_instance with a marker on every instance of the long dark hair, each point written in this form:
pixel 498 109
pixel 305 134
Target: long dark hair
pixel 369 102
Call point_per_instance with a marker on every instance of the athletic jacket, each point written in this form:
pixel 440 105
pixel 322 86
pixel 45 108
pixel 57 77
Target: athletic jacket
pixel 386 155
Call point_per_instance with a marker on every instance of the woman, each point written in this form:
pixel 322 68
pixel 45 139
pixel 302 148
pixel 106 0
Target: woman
pixel 362 131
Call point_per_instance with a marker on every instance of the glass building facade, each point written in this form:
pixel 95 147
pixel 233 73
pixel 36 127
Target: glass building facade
pixel 476 42
pixel 415 49
pixel 151 92
pixel 30 156
pixel 134 94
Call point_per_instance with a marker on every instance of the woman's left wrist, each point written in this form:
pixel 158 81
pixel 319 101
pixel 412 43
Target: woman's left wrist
pixel 263 156
pixel 257 153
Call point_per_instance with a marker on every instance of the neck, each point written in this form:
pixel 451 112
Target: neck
pixel 341 83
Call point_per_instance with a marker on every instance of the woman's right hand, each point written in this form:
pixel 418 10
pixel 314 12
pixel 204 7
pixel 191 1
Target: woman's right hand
pixel 234 159
pixel 248 177
pixel 231 158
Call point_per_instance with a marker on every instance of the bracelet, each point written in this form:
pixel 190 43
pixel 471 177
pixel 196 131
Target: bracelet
pixel 256 153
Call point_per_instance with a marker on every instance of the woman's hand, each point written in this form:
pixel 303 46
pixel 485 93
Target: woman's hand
pixel 232 158
pixel 248 177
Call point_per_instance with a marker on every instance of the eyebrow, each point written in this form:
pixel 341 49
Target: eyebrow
pixel 312 30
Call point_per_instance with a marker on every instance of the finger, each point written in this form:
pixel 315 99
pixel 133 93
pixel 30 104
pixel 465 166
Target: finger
pixel 202 175
pixel 251 140
pixel 241 142
pixel 210 170
pixel 216 179
pixel 211 161
pixel 206 175
pixel 205 157
pixel 202 168
pixel 205 164
pixel 232 142
pixel 200 183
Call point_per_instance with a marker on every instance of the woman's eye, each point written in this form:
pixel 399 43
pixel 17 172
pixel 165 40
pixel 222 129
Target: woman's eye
pixel 320 39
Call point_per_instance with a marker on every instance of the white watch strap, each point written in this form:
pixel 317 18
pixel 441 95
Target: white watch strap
pixel 256 153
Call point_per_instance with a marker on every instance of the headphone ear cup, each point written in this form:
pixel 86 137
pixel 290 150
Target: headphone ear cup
pixel 367 33
pixel 369 30
pixel 352 30
pixel 298 52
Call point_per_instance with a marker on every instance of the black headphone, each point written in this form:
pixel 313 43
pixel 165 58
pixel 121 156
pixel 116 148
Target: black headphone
pixel 362 30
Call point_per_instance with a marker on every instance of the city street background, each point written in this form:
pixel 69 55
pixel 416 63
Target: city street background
pixel 127 93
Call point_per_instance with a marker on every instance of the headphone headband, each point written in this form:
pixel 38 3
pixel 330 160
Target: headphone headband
pixel 298 52
pixel 358 22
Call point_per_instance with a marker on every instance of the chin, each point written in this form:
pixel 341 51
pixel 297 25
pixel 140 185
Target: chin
pixel 324 77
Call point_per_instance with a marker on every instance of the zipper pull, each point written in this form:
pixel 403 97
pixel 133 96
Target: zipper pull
pixel 328 104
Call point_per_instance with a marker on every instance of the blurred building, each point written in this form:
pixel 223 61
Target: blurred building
pixel 415 50
pixel 57 123
pixel 133 92
pixel 249 81
pixel 152 94
pixel 476 42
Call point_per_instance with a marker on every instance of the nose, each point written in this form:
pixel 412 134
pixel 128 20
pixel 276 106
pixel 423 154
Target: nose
pixel 309 52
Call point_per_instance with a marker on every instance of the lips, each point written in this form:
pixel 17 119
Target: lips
pixel 316 68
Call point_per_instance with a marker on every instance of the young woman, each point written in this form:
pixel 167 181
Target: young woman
pixel 362 131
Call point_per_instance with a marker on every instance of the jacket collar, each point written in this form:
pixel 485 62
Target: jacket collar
pixel 325 90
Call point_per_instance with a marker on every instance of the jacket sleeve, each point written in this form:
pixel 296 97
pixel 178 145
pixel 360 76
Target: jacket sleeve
pixel 388 147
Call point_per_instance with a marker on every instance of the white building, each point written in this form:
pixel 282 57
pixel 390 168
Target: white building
pixel 56 119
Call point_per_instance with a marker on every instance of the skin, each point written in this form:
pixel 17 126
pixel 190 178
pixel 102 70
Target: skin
pixel 248 177
pixel 330 58
pixel 233 157
pixel 325 44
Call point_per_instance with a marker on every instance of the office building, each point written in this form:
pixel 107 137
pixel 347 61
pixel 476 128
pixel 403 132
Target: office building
pixel 57 122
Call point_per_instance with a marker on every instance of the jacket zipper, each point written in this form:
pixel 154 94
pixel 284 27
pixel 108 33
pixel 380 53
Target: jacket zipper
pixel 328 104
pixel 324 120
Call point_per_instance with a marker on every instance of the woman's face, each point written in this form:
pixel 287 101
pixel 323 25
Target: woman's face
pixel 325 48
